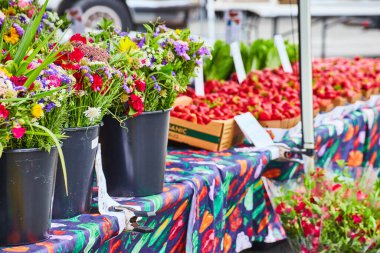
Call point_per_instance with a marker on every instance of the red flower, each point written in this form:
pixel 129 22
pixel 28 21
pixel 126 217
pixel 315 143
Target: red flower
pixel 336 187
pixel 362 239
pixel 137 104
pixel 361 196
pixel 76 55
pixel 356 219
pixel 78 37
pixel 70 66
pixel 97 84
pixel 4 113
pixel 140 85
pixel 19 80
pixel 307 213
pixel 18 132
pixel 352 235
pixel 300 207
pixel 339 219
pixel 280 208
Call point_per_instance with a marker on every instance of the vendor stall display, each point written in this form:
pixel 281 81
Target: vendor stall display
pixel 59 98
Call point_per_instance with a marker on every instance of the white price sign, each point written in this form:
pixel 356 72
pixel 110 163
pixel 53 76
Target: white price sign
pixel 238 61
pixel 253 131
pixel 284 57
pixel 199 81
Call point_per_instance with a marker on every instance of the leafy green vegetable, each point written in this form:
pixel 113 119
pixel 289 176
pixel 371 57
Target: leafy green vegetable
pixel 256 56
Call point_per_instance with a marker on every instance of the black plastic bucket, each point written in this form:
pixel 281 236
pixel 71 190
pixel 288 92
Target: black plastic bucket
pixel 134 154
pixel 27 178
pixel 79 150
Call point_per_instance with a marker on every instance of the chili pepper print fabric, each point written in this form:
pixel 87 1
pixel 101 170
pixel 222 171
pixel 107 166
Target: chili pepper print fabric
pixel 214 202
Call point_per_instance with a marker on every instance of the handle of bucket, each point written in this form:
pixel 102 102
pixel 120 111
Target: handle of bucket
pixel 131 215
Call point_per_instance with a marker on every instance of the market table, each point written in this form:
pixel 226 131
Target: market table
pixel 215 202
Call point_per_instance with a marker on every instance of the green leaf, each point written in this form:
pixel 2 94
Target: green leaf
pixel 58 145
pixel 1 149
pixel 29 35
pixel 25 63
pixel 273 59
pixel 36 72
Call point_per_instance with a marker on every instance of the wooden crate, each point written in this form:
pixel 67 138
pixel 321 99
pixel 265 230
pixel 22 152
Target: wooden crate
pixel 218 135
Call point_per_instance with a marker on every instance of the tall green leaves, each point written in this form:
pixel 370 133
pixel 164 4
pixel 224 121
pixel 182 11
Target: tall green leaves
pixel 30 34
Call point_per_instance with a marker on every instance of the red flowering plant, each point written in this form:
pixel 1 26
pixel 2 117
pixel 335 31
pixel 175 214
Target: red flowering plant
pixel 96 82
pixel 323 212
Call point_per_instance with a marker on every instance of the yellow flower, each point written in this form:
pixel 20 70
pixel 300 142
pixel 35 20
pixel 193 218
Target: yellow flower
pixel 12 36
pixel 10 11
pixel 5 72
pixel 37 111
pixel 124 98
pixel 126 44
pixel 178 31
pixel 163 93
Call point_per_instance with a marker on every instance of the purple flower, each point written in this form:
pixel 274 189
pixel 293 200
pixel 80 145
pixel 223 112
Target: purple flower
pixel 90 78
pixel 65 79
pixel 186 57
pixel 164 62
pixel 157 87
pixel 50 106
pixel 173 73
pixel 198 62
pixel 142 42
pixel 85 69
pixel 19 88
pixel 23 18
pixel 155 34
pixel 18 28
pixel 181 49
pixel 203 51
pixel 126 88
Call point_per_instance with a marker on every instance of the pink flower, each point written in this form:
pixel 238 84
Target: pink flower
pixel 362 239
pixel 336 187
pixel 339 218
pixel 4 113
pixel 356 219
pixel 18 132
pixel 361 196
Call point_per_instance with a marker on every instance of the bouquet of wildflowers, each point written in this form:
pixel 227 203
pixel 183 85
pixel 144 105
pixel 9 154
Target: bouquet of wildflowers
pixel 96 82
pixel 169 58
pixel 33 90
pixel 22 11
pixel 156 65
pixel 322 212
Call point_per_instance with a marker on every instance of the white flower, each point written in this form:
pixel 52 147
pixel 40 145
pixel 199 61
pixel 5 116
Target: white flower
pixel 92 113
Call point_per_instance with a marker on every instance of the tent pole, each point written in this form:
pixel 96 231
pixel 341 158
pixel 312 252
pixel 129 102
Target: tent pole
pixel 305 69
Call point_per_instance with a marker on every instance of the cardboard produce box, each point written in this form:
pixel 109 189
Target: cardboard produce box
pixel 218 135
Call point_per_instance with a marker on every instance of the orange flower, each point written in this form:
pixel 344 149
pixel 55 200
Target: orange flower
pixel 355 158
pixel 12 36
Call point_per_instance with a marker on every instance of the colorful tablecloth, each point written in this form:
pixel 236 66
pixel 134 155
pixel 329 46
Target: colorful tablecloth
pixel 215 202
